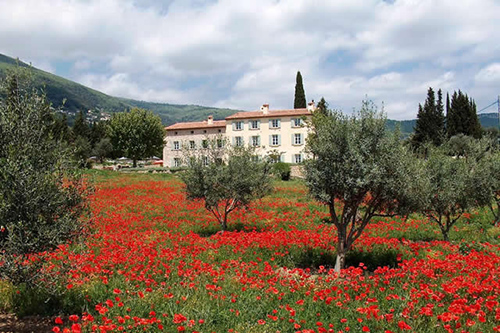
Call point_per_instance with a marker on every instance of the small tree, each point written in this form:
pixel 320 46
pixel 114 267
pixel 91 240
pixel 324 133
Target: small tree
pixel 300 95
pixel 359 171
pixel 225 178
pixel 136 134
pixel 102 149
pixel 42 196
pixel 451 189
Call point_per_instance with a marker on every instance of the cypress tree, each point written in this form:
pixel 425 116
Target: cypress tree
pixel 430 121
pixel 300 95
pixel 462 116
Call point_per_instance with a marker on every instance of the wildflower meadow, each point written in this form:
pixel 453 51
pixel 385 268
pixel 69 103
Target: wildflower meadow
pixel 156 262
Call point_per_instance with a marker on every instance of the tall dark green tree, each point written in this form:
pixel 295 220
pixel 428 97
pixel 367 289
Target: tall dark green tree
pixel 322 107
pixel 81 127
pixel 461 117
pixel 300 95
pixel 430 125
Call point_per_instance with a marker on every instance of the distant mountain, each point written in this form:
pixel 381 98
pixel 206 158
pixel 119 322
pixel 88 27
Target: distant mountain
pixel 78 97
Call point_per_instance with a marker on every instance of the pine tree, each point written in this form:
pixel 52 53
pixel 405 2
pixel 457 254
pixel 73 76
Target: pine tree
pixel 462 117
pixel 81 127
pixel 322 106
pixel 430 121
pixel 300 95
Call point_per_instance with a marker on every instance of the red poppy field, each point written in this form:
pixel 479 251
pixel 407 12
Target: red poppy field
pixel 156 263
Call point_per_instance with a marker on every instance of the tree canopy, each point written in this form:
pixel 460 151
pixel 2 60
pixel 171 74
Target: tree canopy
pixel 225 178
pixel 355 161
pixel 136 134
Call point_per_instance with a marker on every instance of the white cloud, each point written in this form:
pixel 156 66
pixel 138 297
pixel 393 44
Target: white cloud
pixel 489 74
pixel 243 53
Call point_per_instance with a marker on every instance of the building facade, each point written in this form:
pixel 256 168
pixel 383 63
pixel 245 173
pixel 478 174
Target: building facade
pixel 280 133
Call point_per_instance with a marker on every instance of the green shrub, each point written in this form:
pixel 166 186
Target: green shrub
pixel 282 170
pixel 42 195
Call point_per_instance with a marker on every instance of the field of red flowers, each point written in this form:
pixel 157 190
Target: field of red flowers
pixel 156 263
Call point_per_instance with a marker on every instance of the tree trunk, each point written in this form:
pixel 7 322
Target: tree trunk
pixel 341 248
pixel 134 163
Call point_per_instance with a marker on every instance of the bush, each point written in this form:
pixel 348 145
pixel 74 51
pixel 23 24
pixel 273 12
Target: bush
pixel 282 170
pixel 42 195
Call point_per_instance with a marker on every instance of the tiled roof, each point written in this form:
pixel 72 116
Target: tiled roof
pixel 270 114
pixel 196 124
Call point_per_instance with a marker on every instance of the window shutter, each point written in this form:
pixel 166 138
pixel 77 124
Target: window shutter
pixel 282 158
pixel 301 138
pixel 293 139
pixel 270 123
pixel 258 140
pixel 279 139
pixel 233 140
pixel 258 124
pixel 292 122
pixel 270 140
pixel 279 123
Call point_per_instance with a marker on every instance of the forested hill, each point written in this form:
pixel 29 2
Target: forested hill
pixel 78 97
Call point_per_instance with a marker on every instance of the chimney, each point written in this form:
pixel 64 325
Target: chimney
pixel 265 108
pixel 210 120
pixel 310 106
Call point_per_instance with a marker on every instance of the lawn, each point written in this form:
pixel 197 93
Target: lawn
pixel 155 262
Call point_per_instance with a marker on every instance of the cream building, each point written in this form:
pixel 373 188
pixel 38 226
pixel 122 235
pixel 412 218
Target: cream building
pixel 269 131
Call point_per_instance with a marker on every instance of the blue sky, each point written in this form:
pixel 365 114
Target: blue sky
pixel 241 54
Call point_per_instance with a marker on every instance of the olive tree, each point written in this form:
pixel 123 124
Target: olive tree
pixel 42 195
pixel 360 171
pixel 452 188
pixel 225 178
pixel 136 134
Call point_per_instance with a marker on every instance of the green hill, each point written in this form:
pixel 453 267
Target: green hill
pixel 78 97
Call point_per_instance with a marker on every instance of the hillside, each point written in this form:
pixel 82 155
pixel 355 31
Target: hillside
pixel 78 97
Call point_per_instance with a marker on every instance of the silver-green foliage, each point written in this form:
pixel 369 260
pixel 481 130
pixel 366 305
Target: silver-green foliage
pixel 452 187
pixel 41 194
pixel 359 170
pixel 225 178
pixel 136 134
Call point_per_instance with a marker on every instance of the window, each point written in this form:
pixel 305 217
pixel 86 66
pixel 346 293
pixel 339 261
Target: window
pixel 204 143
pixel 192 144
pixel 296 122
pixel 255 158
pixel 177 162
pixel 274 123
pixel 238 141
pixel 297 158
pixel 219 143
pixel 256 141
pixel 192 132
pixel 254 124
pixel 205 160
pixel 238 126
pixel 275 140
pixel 204 131
pixel 176 145
pixel 220 130
pixel 297 139
pixel 175 133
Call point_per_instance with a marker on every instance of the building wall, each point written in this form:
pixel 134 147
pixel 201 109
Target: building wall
pixel 286 130
pixel 184 136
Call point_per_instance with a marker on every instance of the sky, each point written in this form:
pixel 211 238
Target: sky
pixel 242 54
